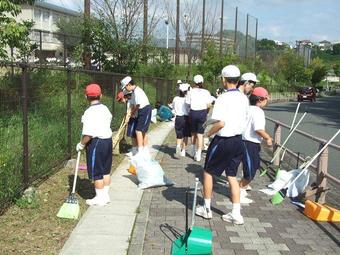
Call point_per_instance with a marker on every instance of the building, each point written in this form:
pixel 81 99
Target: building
pixel 325 45
pixel 45 17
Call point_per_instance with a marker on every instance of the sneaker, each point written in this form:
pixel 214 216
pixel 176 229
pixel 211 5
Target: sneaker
pixel 96 201
pixel 197 157
pixel 248 188
pixel 245 200
pixel 243 192
pixel 204 212
pixel 129 154
pixel 238 220
pixel 183 153
pixel 178 150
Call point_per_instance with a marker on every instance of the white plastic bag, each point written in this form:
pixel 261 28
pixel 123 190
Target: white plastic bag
pixel 149 172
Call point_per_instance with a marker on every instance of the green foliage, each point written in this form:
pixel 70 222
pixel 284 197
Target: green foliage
pixel 336 68
pixel 318 71
pixel 14 34
pixel 265 44
pixel 291 68
pixel 336 49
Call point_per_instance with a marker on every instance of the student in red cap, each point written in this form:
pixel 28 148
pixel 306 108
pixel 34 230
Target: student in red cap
pixel 97 138
pixel 253 135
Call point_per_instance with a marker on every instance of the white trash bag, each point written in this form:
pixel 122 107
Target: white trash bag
pixel 149 172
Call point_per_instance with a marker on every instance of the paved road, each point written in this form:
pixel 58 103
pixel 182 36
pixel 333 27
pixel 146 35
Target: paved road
pixel 322 120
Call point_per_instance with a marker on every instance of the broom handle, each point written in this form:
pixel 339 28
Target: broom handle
pixel 76 173
pixel 194 205
pixel 291 127
pixel 314 158
pixel 289 135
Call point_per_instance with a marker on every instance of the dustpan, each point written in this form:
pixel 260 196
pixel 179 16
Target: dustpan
pixel 196 240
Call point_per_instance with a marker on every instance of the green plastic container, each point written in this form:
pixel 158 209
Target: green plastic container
pixel 197 241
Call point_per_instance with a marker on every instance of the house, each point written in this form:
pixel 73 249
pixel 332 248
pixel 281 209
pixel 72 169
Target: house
pixel 325 45
pixel 45 17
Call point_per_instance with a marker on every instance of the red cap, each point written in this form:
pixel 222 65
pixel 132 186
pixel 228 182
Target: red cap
pixel 260 92
pixel 93 90
pixel 120 96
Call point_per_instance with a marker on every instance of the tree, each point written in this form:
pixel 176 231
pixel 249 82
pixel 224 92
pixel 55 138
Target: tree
pixel 336 49
pixel 265 44
pixel 291 68
pixel 319 71
pixel 14 35
pixel 336 68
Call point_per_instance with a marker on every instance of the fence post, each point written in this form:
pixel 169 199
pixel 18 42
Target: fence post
pixel 24 98
pixel 277 141
pixel 69 113
pixel 321 181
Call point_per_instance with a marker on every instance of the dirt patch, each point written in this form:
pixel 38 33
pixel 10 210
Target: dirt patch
pixel 33 228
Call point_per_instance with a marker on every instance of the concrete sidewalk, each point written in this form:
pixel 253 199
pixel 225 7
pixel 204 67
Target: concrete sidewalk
pixel 268 229
pixel 106 230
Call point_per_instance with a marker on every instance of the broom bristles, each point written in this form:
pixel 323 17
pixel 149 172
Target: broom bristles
pixel 69 211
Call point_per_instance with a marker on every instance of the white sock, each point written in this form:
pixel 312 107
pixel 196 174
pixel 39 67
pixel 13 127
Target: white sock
pixel 107 188
pixel 236 209
pixel 178 146
pixel 140 149
pixel 207 203
pixel 100 193
pixel 199 152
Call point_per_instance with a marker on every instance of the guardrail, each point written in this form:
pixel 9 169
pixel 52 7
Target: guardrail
pixel 321 168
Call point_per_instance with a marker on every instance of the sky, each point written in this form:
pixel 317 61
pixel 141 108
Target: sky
pixel 283 20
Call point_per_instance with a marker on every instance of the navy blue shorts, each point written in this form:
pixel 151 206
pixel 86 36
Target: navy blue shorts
pixel 182 127
pixel 131 128
pixel 251 159
pixel 197 118
pixel 99 158
pixel 224 154
pixel 144 119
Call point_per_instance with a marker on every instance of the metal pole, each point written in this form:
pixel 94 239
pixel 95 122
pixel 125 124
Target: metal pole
pixel 40 47
pixel 321 181
pixel 167 35
pixel 87 16
pixel 257 24
pixel 235 34
pixel 64 53
pixel 246 49
pixel 277 141
pixel 221 30
pixel 177 33
pixel 203 28
pixel 24 98
pixel 69 114
pixel 113 96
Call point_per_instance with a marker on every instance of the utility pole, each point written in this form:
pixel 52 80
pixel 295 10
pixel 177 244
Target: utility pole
pixel 257 24
pixel 177 33
pixel 145 32
pixel 203 26
pixel 87 17
pixel 221 30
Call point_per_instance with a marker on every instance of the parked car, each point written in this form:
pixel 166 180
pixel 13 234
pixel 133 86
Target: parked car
pixel 307 93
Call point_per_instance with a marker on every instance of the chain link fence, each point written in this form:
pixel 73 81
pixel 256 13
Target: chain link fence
pixel 40 113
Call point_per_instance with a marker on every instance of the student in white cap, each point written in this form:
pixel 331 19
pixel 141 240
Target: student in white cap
pixel 199 100
pixel 182 126
pixel 142 107
pixel 247 83
pixel 226 150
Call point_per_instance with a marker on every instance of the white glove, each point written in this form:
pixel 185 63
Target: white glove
pixel 80 147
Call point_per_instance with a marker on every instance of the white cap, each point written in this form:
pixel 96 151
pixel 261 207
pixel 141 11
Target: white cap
pixel 231 71
pixel 179 82
pixel 125 82
pixel 198 78
pixel 249 77
pixel 184 87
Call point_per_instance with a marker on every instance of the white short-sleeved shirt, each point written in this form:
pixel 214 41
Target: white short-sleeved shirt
pixel 97 121
pixel 231 107
pixel 139 98
pixel 180 107
pixel 198 99
pixel 256 121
